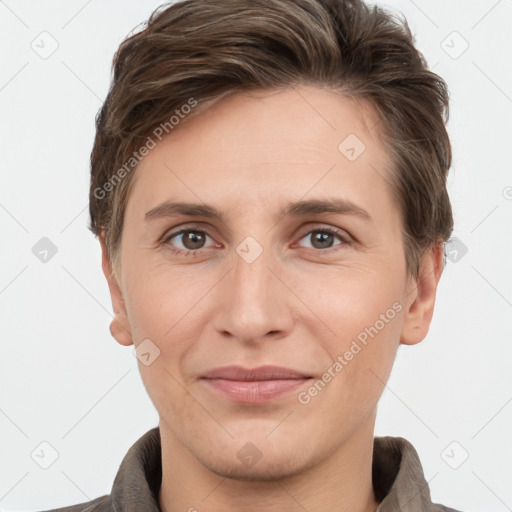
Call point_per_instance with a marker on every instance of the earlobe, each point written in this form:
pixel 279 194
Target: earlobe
pixel 121 333
pixel 120 326
pixel 421 297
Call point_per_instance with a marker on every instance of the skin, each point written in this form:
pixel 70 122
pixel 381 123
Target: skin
pixel 299 304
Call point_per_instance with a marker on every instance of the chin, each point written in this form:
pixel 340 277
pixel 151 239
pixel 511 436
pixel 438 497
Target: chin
pixel 262 471
pixel 265 459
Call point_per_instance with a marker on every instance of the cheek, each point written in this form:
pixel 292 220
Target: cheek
pixel 163 303
pixel 350 299
pixel 162 308
pixel 167 307
pixel 361 314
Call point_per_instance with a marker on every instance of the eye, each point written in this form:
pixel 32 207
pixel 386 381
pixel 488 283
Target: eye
pixel 323 238
pixel 187 240
pixel 192 241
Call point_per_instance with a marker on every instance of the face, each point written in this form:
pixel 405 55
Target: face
pixel 285 251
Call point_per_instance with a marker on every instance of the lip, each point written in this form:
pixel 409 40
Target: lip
pixel 266 372
pixel 254 385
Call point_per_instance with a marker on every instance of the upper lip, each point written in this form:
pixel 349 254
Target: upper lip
pixel 267 372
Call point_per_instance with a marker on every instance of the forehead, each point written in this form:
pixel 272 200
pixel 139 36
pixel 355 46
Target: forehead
pixel 265 148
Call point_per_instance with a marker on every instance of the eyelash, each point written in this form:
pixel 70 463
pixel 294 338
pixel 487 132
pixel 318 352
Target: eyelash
pixel 329 230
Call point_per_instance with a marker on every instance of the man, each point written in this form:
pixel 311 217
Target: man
pixel 268 185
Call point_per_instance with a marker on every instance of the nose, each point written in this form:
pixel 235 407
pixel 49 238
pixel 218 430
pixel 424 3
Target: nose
pixel 254 303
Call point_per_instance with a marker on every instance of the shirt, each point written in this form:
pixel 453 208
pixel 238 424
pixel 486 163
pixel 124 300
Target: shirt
pixel 397 475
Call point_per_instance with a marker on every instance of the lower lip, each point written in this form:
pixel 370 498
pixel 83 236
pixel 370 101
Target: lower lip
pixel 255 391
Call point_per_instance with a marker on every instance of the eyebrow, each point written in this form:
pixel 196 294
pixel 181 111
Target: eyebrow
pixel 297 209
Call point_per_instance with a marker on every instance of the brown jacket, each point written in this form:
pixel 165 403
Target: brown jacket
pixel 398 479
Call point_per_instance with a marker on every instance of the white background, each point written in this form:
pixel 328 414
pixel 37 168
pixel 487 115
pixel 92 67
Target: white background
pixel 64 380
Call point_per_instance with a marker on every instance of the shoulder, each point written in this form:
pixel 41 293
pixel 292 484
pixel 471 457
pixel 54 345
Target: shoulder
pixel 398 477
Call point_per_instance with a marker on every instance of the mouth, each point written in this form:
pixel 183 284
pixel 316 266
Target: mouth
pixel 254 385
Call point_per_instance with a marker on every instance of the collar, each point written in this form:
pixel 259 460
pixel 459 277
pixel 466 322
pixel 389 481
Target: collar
pixel 397 475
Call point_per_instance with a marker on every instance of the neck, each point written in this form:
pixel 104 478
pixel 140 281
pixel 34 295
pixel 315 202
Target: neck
pixel 340 482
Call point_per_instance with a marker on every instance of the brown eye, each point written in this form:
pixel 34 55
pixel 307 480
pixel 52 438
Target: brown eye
pixel 188 239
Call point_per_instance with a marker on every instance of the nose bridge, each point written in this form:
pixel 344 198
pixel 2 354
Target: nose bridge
pixel 254 303
pixel 251 273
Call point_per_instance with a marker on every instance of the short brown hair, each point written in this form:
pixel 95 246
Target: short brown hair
pixel 197 49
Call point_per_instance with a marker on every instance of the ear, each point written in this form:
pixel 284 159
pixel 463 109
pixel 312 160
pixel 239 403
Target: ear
pixel 120 326
pixel 421 297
